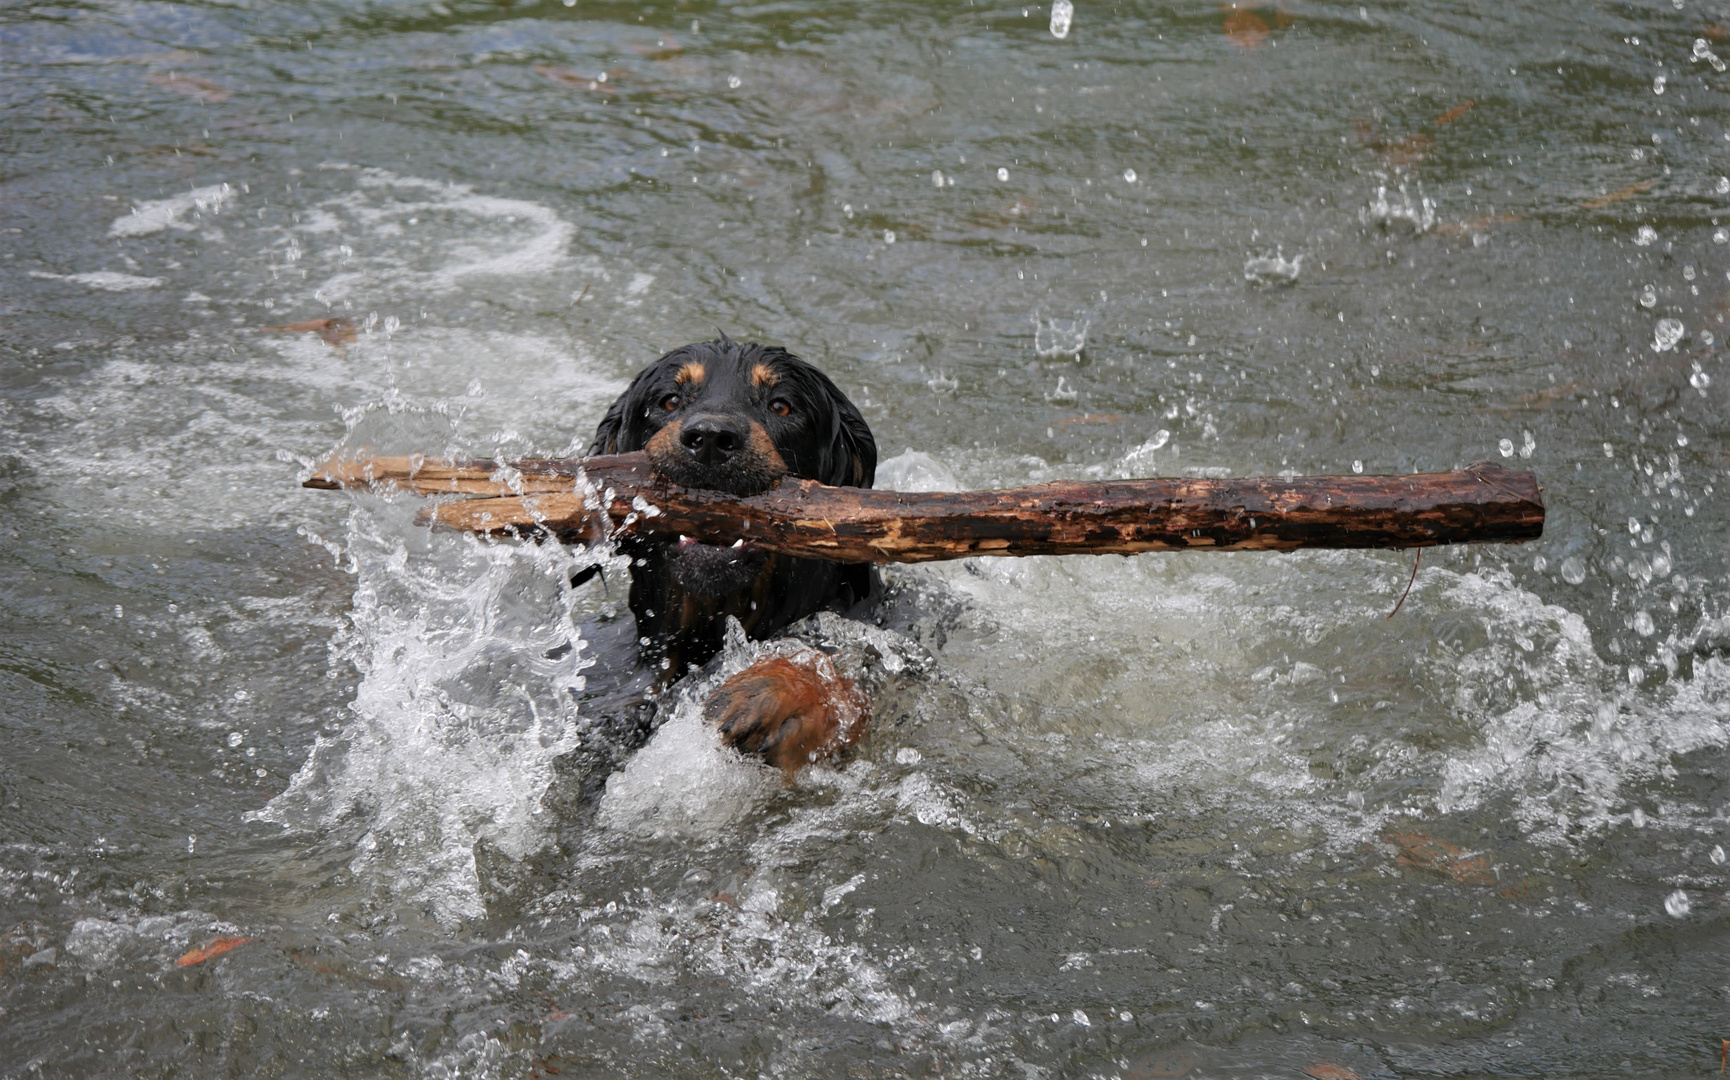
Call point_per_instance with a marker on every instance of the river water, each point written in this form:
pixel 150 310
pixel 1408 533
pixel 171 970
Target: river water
pixel 1190 814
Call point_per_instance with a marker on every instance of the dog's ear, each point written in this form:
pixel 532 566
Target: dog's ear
pixel 856 448
pixel 850 457
pixel 621 430
pixel 853 454
pixel 607 434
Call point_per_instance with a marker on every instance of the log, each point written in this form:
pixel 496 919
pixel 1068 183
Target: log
pixel 1482 503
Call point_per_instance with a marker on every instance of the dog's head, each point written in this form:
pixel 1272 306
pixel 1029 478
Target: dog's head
pixel 737 418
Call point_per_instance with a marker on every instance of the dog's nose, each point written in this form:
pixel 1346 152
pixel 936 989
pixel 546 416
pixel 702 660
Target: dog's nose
pixel 711 439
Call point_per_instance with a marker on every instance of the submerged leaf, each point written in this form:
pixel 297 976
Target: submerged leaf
pixel 1455 113
pixel 1427 853
pixel 1620 195
pixel 192 86
pixel 1245 29
pixel 335 332
pixel 576 80
pixel 214 948
pixel 1327 1070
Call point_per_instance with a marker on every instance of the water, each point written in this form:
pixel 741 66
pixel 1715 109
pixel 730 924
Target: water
pixel 1171 815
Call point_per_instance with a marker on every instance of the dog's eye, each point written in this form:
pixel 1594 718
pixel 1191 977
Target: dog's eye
pixel 671 402
pixel 780 407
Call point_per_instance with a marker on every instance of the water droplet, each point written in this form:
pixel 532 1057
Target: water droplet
pixel 1506 446
pixel 1078 1016
pixel 1540 564
pixel 1573 570
pixel 1062 14
pixel 1717 855
pixel 1129 176
pixel 1648 298
pixel 1528 445
pixel 1666 334
pixel 1688 272
pixel 1645 236
pixel 235 738
pixel 1699 380
pixel 733 82
pixel 1634 525
pixel 1357 466
pixel 908 756
pixel 1002 174
pixel 1677 904
pixel 1658 84
pixel 1638 814
pixel 1643 624
pixel 888 236
pixel 937 177
pixel 1724 185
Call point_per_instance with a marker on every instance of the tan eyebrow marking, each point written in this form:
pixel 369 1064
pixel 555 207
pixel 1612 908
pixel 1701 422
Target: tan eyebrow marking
pixel 764 375
pixel 690 373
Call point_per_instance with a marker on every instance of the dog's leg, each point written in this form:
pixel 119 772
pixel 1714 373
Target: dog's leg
pixel 790 712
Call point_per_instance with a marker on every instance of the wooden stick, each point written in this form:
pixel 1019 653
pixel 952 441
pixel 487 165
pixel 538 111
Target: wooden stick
pixel 1482 503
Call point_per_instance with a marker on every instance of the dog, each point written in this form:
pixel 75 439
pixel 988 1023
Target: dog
pixel 736 418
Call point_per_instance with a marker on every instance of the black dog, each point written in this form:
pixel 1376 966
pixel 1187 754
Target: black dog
pixel 737 418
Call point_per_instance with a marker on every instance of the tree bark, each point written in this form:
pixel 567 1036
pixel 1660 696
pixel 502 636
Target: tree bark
pixel 1482 503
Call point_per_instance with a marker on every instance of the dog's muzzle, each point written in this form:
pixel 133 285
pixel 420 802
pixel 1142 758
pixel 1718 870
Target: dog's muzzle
pixel 718 452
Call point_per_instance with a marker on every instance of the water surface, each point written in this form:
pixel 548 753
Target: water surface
pixel 1206 815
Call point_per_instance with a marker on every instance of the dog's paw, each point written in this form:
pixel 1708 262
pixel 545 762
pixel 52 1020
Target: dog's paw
pixel 789 712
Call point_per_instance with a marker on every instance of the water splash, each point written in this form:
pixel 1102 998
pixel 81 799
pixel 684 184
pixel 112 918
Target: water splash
pixel 461 708
pixel 1273 269
pixel 915 470
pixel 1054 337
pixel 1062 15
pixel 1400 210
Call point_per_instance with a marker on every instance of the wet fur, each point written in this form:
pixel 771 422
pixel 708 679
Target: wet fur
pixel 788 712
pixel 682 595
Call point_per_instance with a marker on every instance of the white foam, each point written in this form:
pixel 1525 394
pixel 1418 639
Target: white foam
pixel 106 280
pixel 458 716
pixel 1193 679
pixel 915 470
pixel 155 215
pixel 684 783
pixel 406 235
